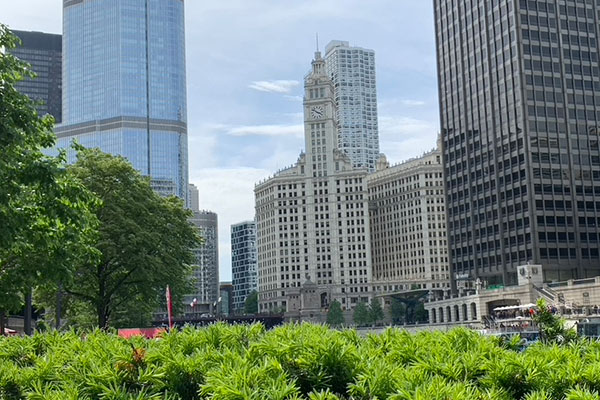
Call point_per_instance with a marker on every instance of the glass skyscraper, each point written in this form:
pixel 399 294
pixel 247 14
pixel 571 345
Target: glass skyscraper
pixel 519 86
pixel 352 70
pixel 244 262
pixel 124 85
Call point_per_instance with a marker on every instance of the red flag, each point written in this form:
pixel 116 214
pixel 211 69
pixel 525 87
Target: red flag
pixel 169 307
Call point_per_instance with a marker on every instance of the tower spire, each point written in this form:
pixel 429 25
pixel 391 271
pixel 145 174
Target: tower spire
pixel 317 41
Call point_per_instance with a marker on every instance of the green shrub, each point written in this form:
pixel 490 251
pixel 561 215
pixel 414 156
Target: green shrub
pixel 293 362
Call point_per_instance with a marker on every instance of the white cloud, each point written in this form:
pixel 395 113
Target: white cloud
pixel 402 137
pixel 412 103
pixel 230 193
pixel 293 98
pixel 275 86
pixel 267 130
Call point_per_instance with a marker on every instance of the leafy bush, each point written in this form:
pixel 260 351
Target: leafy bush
pixel 293 362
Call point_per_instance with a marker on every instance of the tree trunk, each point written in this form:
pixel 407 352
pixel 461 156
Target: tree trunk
pixel 58 307
pixel 103 314
pixel 27 319
pixel 2 326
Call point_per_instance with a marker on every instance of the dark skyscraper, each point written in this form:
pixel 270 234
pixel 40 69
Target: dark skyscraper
pixel 519 94
pixel 44 52
pixel 244 264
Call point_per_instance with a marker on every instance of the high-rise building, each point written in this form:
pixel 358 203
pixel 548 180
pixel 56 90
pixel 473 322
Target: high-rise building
pixel 43 51
pixel 124 85
pixel 312 218
pixel 226 299
pixel 206 268
pixel 193 197
pixel 352 70
pixel 243 262
pixel 408 225
pixel 520 110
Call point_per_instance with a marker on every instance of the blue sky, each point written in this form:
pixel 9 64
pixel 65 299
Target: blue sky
pixel 245 64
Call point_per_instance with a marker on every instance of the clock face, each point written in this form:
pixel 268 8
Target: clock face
pixel 317 112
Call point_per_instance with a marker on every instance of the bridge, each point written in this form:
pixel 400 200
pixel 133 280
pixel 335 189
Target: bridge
pixel 269 321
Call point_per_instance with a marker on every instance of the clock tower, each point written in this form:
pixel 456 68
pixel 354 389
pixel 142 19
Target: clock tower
pixel 320 126
pixel 312 219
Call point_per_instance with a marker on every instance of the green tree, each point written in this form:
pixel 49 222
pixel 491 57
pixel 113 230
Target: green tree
pixel 361 314
pixel 421 314
pixel 335 315
pixel 375 311
pixel 251 303
pixel 552 327
pixel 397 311
pixel 46 217
pixel 145 242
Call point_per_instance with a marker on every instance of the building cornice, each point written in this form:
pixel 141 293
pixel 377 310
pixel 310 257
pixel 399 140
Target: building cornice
pixel 120 122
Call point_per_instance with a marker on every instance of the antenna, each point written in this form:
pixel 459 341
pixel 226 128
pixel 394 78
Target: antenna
pixel 317 41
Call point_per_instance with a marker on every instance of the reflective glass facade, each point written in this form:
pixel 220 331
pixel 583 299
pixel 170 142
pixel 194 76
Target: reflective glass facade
pixel 520 110
pixel 244 262
pixel 124 84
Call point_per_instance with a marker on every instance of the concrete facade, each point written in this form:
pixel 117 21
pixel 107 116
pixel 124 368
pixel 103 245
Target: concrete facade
pixel 312 218
pixel 519 115
pixel 570 298
pixel 408 225
pixel 206 269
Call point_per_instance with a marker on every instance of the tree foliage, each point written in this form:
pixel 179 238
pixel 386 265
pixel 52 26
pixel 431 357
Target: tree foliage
pixel 375 311
pixel 421 314
pixel 397 311
pixel 251 303
pixel 46 216
pixel 145 243
pixel 335 315
pixel 361 315
pixel 552 327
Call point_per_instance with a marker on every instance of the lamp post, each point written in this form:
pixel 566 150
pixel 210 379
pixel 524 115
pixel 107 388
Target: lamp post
pixel 216 307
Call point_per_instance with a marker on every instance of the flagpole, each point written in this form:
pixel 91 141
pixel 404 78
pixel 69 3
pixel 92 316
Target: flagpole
pixel 169 308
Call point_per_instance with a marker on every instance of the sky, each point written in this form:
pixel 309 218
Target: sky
pixel 245 63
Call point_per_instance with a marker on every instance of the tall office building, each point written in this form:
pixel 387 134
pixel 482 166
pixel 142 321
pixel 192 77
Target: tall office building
pixel 352 70
pixel 43 51
pixel 206 268
pixel 312 218
pixel 519 109
pixel 226 299
pixel 408 225
pixel 193 197
pixel 124 85
pixel 243 262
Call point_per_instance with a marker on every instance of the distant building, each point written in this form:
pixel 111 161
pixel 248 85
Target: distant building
pixel 124 86
pixel 312 218
pixel 193 197
pixel 244 264
pixel 352 70
pixel 408 225
pixel 206 269
pixel 44 52
pixel 226 296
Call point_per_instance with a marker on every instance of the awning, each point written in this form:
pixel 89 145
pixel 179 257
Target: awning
pixel 520 307
pixel 149 333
